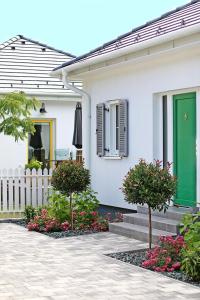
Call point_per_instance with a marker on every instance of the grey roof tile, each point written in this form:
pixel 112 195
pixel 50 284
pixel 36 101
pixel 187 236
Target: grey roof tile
pixel 181 17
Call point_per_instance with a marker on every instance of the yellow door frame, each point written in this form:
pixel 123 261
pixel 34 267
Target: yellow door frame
pixel 50 121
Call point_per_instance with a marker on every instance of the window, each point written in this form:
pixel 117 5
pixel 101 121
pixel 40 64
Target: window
pixel 112 128
pixel 113 144
pixel 40 143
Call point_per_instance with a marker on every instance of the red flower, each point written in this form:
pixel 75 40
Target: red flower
pixel 94 213
pixel 65 226
pixel 176 265
pixel 82 213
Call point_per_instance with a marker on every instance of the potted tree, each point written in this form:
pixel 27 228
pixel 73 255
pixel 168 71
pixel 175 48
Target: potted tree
pixel 149 183
pixel 70 177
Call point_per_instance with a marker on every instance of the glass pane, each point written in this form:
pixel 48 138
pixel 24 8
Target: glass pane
pixel 39 143
pixel 117 127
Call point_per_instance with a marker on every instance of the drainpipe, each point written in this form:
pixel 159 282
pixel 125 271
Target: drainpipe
pixel 86 120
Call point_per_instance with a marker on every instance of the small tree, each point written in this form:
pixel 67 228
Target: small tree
pixel 70 177
pixel 149 183
pixel 15 112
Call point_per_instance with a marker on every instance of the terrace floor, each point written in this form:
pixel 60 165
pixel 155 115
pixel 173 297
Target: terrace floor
pixel 36 267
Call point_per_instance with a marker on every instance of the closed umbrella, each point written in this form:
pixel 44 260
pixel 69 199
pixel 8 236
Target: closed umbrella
pixel 77 137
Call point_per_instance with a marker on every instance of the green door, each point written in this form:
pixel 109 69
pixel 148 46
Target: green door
pixel 185 148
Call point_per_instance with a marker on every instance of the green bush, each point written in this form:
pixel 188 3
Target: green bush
pixel 59 207
pixel 34 164
pixel 149 183
pixel 86 201
pixel 29 213
pixel 191 253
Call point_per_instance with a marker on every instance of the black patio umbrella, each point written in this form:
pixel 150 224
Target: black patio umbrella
pixel 36 139
pixel 77 137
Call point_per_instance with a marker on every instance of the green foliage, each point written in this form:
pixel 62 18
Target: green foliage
pixel 33 164
pixel 149 183
pixel 70 177
pixel 29 213
pixel 191 253
pixel 15 112
pixel 86 201
pixel 59 207
pixel 190 264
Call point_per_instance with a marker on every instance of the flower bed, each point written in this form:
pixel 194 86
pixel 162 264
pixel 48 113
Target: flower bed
pixel 164 258
pixel 85 223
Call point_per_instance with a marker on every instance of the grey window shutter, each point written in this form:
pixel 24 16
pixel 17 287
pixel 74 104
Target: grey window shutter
pixel 100 129
pixel 123 128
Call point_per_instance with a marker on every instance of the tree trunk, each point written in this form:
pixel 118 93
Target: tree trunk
pixel 150 227
pixel 71 211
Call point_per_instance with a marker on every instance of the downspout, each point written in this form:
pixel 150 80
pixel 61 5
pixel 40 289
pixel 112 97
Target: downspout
pixel 86 120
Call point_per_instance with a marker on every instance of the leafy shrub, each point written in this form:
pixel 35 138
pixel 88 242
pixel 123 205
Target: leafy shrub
pixel 191 253
pixel 165 257
pixel 86 201
pixel 39 221
pixel 34 164
pixel 70 177
pixel 29 213
pixel 89 220
pixel 59 207
pixel 42 222
pixel 149 183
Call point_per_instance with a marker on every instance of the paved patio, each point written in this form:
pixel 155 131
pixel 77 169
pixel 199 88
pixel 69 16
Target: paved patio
pixel 34 266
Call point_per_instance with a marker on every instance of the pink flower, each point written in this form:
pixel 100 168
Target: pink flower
pixel 158 269
pixel 82 213
pixel 170 269
pixel 168 260
pixel 33 226
pixel 176 265
pixel 94 213
pixel 65 226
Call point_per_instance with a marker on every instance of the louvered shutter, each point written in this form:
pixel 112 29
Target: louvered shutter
pixel 123 128
pixel 100 129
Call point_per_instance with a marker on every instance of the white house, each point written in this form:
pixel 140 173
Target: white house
pixel 24 66
pixel 141 99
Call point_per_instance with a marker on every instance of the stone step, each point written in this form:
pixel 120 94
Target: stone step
pixel 173 213
pixel 157 222
pixel 137 232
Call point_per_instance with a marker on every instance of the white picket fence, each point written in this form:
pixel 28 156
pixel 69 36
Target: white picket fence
pixel 19 188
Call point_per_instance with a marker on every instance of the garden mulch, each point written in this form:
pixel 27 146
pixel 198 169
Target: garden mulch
pixel 55 234
pixel 136 258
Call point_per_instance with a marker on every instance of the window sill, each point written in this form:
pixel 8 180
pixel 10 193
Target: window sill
pixel 113 157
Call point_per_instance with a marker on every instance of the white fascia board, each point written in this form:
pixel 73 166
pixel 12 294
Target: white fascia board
pixel 49 97
pixel 126 50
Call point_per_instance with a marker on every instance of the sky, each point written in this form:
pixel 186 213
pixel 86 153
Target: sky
pixel 77 26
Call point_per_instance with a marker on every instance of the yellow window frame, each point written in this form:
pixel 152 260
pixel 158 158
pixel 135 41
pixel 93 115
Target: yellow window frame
pixel 50 121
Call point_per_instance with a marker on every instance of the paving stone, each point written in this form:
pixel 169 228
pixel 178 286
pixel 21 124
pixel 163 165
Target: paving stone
pixel 37 267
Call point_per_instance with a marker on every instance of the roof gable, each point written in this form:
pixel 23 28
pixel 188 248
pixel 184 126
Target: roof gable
pixel 25 65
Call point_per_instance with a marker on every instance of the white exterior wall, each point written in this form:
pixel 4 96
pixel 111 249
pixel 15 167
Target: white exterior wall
pixel 139 84
pixel 14 154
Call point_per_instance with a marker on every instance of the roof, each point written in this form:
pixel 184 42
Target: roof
pixel 179 18
pixel 25 65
